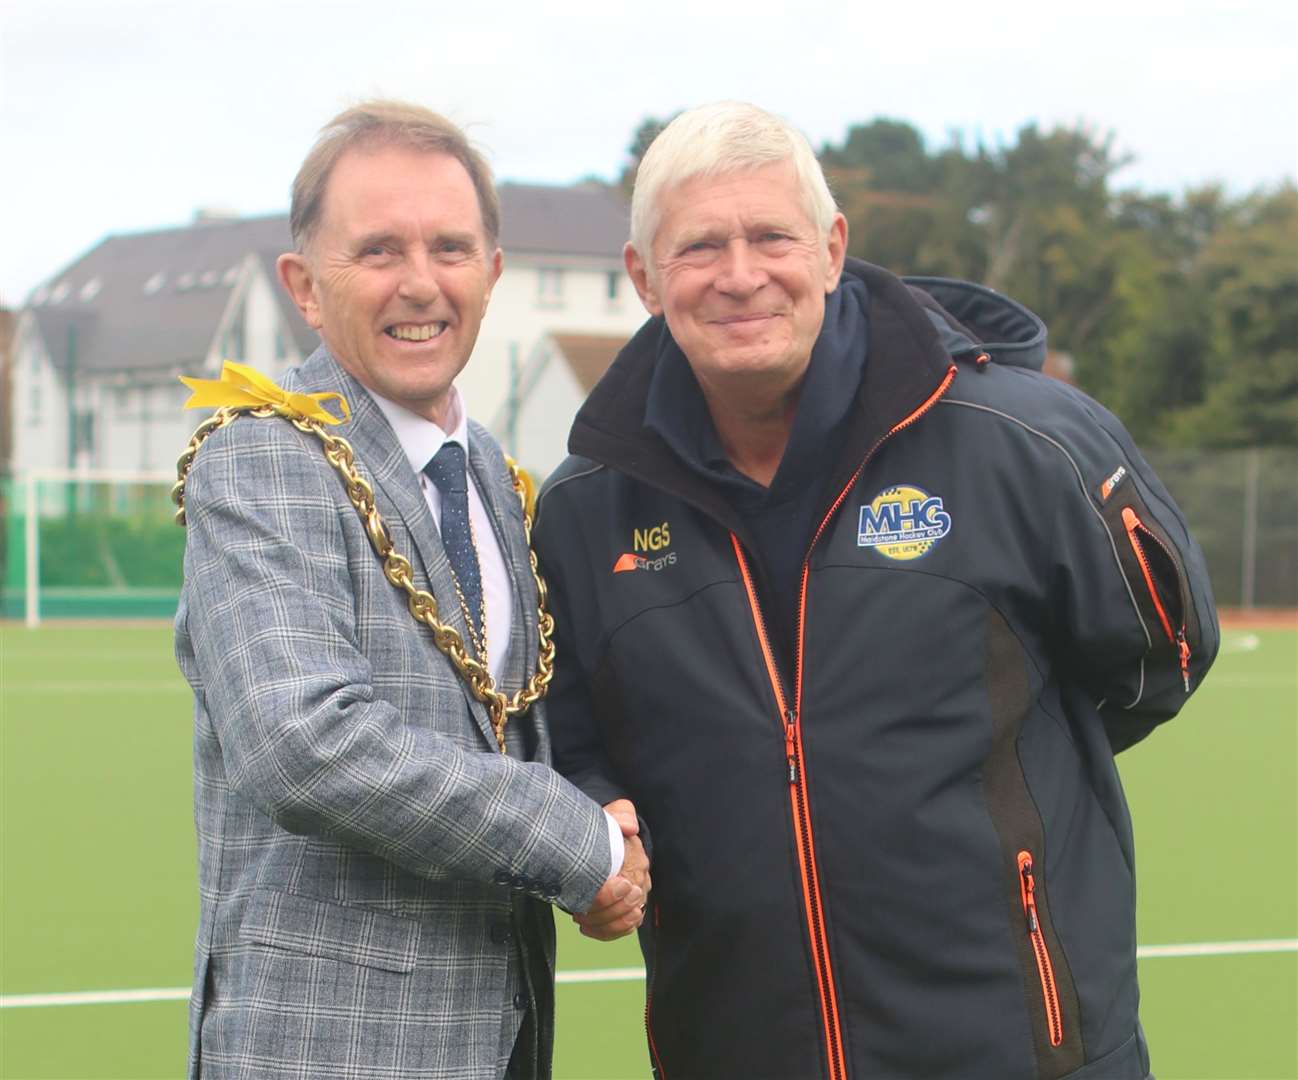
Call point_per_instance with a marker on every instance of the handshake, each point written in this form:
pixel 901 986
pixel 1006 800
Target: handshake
pixel 620 903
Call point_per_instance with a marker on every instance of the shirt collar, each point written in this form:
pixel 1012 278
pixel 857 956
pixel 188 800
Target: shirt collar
pixel 420 438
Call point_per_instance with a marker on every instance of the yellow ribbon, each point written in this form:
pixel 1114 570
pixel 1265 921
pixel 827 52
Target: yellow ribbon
pixel 529 486
pixel 242 385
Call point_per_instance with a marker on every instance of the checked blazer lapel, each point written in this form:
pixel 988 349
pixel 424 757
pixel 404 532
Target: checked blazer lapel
pixel 380 459
pixel 492 478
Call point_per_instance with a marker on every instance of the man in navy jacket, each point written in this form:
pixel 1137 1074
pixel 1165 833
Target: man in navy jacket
pixel 856 606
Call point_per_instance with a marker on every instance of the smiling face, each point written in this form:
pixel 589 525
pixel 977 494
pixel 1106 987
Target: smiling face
pixel 740 271
pixel 397 274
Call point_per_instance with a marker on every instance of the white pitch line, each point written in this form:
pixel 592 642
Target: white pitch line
pixel 101 686
pixel 95 997
pixel 598 975
pixel 1218 948
pixel 603 975
pixel 1240 642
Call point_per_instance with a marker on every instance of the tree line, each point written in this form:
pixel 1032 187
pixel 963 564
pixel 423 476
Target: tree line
pixel 1180 312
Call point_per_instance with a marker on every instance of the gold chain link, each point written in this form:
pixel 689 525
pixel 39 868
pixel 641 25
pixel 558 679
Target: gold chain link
pixel 396 568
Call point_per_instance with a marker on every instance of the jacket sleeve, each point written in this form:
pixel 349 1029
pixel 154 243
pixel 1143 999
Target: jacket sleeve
pixel 1132 608
pixel 274 600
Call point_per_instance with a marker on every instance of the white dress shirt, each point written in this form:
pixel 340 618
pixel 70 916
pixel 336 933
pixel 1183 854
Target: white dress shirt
pixel 420 439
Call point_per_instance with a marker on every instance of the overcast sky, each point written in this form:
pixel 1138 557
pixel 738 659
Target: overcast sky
pixel 117 115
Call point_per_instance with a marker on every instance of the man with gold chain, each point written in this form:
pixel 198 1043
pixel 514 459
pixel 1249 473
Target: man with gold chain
pixel 378 847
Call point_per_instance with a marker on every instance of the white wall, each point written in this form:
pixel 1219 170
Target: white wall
pixel 545 415
pixel 40 410
pixel 518 317
pixel 254 305
pixel 143 426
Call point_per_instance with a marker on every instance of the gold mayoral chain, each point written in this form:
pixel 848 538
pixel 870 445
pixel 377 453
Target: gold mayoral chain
pixel 243 391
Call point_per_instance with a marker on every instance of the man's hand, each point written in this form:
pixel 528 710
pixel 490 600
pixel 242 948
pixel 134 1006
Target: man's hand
pixel 619 905
pixel 623 812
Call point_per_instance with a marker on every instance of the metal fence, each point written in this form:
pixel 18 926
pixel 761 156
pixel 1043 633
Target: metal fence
pixel 1242 506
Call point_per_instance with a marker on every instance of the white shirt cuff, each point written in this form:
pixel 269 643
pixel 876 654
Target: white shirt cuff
pixel 616 845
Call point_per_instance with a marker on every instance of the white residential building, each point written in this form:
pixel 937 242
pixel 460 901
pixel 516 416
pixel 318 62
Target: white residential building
pixel 560 371
pixel 99 347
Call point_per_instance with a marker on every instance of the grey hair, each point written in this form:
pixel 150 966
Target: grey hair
pixel 716 139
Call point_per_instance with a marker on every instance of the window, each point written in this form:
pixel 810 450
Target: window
pixel 549 291
pixel 155 283
pixel 614 279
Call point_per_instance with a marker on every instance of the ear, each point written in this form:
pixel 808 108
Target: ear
pixel 639 274
pixel 495 265
pixel 298 279
pixel 836 245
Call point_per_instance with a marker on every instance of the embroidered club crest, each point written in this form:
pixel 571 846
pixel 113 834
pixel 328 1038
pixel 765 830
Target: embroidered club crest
pixel 903 522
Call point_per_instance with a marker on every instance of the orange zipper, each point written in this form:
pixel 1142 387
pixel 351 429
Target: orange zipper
pixel 802 835
pixel 797 778
pixel 1135 530
pixel 1045 970
pixel 659 1074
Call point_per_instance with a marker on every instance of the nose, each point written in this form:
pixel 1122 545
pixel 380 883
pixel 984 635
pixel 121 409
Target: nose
pixel 740 271
pixel 418 285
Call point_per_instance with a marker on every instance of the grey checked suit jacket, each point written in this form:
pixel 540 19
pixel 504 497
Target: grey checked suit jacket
pixel 360 838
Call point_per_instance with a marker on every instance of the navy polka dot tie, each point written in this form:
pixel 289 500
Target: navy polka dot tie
pixel 447 471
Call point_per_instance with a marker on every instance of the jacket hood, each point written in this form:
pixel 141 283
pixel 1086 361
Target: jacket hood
pixel 974 318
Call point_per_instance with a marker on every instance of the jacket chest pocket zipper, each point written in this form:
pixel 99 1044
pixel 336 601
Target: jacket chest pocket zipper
pixel 1045 970
pixel 1145 545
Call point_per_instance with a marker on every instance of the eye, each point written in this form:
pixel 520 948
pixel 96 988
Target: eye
pixel 452 250
pixel 375 251
pixel 772 237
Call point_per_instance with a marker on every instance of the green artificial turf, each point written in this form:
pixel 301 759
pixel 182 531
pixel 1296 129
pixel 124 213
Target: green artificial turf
pixel 98 867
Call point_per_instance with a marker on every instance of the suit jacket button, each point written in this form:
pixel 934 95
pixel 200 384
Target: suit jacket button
pixel 520 1000
pixel 502 878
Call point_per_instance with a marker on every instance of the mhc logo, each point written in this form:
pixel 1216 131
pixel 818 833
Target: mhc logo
pixel 903 522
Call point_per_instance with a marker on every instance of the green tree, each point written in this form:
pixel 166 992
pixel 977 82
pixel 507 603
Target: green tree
pixel 650 128
pixel 1249 271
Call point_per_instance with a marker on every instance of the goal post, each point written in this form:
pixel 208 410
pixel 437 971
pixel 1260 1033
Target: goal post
pixel 90 544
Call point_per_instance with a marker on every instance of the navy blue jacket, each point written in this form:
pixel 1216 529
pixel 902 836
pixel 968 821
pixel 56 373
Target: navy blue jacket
pixel 905 852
